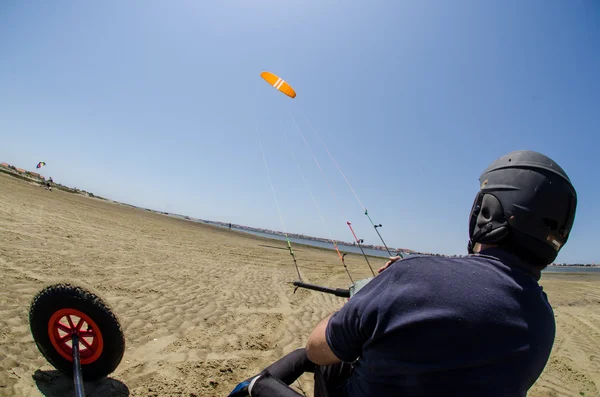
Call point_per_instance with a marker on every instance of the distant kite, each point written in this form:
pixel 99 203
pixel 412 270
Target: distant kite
pixel 40 164
pixel 279 83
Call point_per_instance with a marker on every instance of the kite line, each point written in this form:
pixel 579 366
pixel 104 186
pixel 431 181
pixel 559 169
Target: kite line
pixel 333 193
pixel 335 245
pixel 289 244
pixel 350 186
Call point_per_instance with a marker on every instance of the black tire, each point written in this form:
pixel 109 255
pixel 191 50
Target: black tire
pixel 62 296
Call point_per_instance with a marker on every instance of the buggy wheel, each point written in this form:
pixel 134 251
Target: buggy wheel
pixel 59 311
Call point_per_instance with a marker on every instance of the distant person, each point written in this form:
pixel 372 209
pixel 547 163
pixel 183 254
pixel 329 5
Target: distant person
pixel 230 226
pixel 476 325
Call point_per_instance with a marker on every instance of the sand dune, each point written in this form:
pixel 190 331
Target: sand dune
pixel 203 308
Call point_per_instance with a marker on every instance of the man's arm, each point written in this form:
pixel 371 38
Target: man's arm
pixel 346 331
pixel 317 348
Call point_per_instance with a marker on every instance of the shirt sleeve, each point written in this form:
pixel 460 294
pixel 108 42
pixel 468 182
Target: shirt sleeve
pixel 351 327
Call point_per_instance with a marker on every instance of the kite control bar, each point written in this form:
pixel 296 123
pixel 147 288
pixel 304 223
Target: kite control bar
pixel 342 293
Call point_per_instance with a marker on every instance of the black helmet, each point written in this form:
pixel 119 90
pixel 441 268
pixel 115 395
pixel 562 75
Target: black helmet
pixel 526 204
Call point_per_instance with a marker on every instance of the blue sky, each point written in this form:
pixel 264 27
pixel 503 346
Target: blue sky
pixel 157 104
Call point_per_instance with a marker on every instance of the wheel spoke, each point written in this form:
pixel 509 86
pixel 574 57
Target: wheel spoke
pixel 63 328
pixel 87 332
pixel 79 324
pixel 64 337
pixel 70 321
pixel 86 344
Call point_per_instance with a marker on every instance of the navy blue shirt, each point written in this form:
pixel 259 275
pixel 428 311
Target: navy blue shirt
pixel 478 325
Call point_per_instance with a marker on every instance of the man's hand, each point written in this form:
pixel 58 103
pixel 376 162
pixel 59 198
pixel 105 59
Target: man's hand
pixel 317 348
pixel 388 263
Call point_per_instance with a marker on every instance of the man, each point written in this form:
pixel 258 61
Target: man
pixel 478 325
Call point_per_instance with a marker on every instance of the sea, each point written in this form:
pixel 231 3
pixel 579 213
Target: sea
pixel 384 254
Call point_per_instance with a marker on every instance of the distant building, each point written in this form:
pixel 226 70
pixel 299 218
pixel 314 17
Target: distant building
pixel 21 170
pixel 5 165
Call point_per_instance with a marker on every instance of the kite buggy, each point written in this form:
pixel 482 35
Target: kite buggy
pixel 78 333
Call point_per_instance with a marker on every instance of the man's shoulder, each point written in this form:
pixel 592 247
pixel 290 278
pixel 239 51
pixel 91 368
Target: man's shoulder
pixel 421 261
pixel 427 269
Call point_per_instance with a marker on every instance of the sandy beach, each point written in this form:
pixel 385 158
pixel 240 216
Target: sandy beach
pixel 202 307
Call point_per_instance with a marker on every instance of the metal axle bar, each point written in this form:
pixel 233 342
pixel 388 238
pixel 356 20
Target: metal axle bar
pixel 77 367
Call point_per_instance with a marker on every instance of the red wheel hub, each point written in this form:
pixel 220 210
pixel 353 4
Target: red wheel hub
pixel 66 322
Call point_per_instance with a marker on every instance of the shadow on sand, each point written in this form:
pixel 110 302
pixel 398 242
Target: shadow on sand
pixel 56 384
